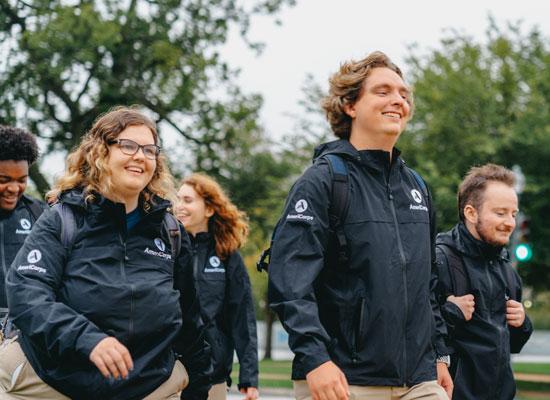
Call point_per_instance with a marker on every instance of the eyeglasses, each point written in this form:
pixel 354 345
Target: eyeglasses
pixel 129 147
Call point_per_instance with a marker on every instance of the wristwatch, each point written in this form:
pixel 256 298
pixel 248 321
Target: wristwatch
pixel 444 359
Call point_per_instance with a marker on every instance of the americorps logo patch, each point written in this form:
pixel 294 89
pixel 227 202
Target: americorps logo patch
pixel 34 256
pixel 214 261
pixel 416 196
pixel 301 206
pixel 25 223
pixel 160 244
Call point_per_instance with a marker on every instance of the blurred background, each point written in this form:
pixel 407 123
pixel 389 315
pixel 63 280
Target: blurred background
pixel 235 88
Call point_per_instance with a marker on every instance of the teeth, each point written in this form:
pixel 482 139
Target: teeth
pixel 134 169
pixel 391 114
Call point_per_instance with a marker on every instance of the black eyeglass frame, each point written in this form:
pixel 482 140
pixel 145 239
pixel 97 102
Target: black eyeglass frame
pixel 120 142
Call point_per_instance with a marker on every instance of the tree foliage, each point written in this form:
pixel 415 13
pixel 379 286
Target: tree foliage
pixel 65 62
pixel 479 102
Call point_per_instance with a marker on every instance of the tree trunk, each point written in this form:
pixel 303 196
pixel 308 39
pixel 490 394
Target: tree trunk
pixel 269 319
pixel 42 185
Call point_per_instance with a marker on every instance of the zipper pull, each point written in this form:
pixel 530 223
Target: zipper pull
pixel 390 194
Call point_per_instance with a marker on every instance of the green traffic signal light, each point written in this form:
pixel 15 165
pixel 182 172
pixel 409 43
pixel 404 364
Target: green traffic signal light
pixel 523 252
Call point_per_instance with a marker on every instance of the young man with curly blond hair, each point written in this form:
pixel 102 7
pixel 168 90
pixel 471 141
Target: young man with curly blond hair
pixel 355 294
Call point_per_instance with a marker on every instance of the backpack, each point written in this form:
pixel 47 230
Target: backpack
pixel 68 228
pixel 34 208
pixel 338 211
pixel 460 280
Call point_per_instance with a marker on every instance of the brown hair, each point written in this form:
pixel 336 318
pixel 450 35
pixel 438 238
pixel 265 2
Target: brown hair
pixel 87 164
pixel 475 182
pixel 346 87
pixel 228 224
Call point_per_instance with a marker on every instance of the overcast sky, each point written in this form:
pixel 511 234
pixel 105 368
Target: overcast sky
pixel 316 35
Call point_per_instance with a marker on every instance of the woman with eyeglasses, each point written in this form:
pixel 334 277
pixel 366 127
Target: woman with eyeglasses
pixel 102 291
pixel 218 229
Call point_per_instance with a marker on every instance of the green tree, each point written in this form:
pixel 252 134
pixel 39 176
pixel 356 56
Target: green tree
pixel 479 102
pixel 65 62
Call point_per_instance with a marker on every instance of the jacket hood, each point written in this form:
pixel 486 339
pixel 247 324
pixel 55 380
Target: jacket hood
pixel 460 239
pixel 76 197
pixel 341 147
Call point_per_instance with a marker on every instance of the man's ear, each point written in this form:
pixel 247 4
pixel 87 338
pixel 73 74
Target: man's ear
pixel 350 110
pixel 470 213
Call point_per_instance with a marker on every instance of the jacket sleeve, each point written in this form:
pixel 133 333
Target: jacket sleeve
pixel 192 349
pixel 519 336
pixel 297 259
pixel 33 279
pixel 440 328
pixel 242 321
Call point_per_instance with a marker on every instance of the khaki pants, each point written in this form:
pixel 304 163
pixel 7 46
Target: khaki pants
pixel 425 391
pixel 218 392
pixel 18 381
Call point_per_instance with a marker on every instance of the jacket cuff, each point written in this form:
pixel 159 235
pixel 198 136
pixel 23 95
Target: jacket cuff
pixel 86 344
pixel 452 314
pixel 310 362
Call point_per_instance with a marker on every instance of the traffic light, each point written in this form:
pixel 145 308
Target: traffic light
pixel 523 250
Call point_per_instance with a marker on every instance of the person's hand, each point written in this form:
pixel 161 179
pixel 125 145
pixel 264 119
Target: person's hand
pixel 444 379
pixel 112 358
pixel 251 393
pixel 466 304
pixel 327 382
pixel 515 314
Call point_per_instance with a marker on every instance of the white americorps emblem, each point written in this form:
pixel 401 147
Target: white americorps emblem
pixel 34 256
pixel 214 261
pixel 25 223
pixel 416 196
pixel 160 244
pixel 301 206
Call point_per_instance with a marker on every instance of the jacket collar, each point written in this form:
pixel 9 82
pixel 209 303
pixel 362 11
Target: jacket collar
pixel 377 159
pixel 462 240
pixel 101 204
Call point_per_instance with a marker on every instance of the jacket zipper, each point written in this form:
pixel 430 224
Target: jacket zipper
pixel 404 269
pixel 123 274
pixel 490 317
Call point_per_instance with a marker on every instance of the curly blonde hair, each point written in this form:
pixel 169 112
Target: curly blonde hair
pixel 228 224
pixel 346 87
pixel 87 164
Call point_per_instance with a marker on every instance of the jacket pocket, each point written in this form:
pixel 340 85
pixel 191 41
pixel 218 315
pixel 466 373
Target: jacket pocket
pixel 361 320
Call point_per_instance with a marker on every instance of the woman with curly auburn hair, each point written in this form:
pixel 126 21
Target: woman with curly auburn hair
pixel 103 310
pixel 218 229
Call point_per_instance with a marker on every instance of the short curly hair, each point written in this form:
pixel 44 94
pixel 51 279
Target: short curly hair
pixel 346 87
pixel 17 144
pixel 473 187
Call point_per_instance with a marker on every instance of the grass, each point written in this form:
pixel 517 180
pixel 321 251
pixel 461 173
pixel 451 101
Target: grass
pixel 276 374
pixel 531 368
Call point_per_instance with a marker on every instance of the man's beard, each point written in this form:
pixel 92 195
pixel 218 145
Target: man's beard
pixel 485 236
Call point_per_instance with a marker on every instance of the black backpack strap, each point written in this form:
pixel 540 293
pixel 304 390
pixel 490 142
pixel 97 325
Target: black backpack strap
pixel 420 181
pixel 34 207
pixel 171 226
pixel 339 204
pixel 68 224
pixel 460 281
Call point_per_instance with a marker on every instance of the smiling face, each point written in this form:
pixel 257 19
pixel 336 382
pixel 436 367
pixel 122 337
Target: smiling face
pixel 131 174
pixel 383 108
pixel 13 182
pixel 192 211
pixel 495 219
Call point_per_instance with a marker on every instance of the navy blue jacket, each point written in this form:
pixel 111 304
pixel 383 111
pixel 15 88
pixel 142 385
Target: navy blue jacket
pixel 481 347
pixel 376 317
pixel 227 309
pixel 112 282
pixel 15 226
